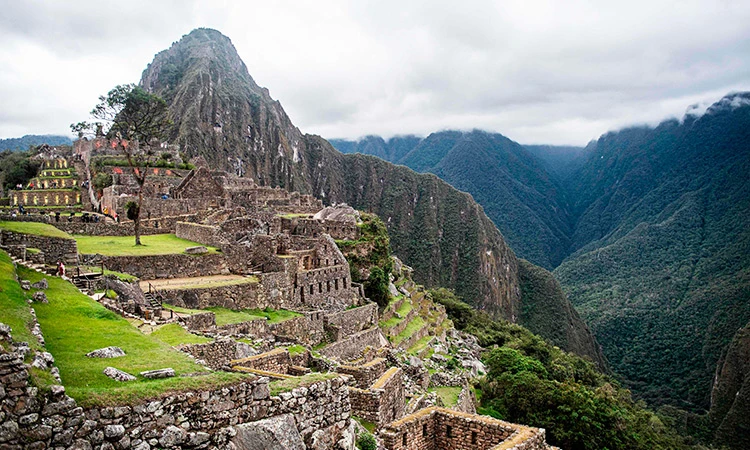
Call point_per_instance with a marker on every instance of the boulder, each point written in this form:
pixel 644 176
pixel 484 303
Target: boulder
pixel 275 433
pixel 106 352
pixel 40 297
pixel 197 250
pixel 41 284
pixel 25 285
pixel 158 373
pixel 118 375
pixel 172 436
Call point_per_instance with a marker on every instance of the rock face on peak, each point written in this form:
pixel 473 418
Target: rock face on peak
pixel 222 115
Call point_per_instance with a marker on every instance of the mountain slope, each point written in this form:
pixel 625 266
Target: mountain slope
pixel 663 271
pixel 24 142
pixel 525 202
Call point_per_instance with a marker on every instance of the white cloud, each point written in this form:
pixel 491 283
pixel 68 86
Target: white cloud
pixel 537 71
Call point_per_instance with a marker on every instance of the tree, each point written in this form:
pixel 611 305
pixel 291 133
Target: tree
pixel 139 118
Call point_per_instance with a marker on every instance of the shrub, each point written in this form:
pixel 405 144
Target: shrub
pixel 366 441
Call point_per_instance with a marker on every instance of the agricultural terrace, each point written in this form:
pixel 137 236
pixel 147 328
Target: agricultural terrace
pixel 35 228
pixel 157 244
pixel 73 324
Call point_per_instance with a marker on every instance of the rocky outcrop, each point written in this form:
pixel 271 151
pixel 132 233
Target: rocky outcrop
pixel 275 433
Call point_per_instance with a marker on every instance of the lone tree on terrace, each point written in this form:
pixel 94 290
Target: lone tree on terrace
pixel 139 118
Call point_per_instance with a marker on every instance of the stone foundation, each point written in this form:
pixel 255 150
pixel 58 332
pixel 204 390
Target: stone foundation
pixel 443 429
pixel 54 248
pixel 353 347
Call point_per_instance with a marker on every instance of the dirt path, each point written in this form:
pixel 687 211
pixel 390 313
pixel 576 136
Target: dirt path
pixel 187 283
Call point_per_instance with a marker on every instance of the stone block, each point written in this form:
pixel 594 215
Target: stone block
pixel 106 352
pixel 275 433
pixel 118 375
pixel 197 250
pixel 158 373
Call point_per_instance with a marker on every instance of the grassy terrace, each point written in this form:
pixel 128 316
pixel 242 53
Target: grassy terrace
pixel 39 229
pixel 402 311
pixel 448 394
pixel 173 334
pixel 73 325
pixel 199 282
pixel 226 316
pixel 157 244
pixel 415 325
pixel 14 311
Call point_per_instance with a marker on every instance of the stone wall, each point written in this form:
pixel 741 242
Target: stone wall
pixel 36 419
pixel 163 266
pixel 277 361
pixel 233 296
pixel 216 354
pixel 383 402
pixel 199 322
pixel 205 234
pixel 254 328
pixel 54 248
pixel 353 346
pixel 345 323
pixel 442 429
pixel 327 286
pixel 365 375
pixel 46 197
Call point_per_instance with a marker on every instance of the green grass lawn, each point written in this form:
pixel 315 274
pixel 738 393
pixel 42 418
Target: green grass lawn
pixel 39 229
pixel 209 284
pixel 226 316
pixel 157 244
pixel 448 394
pixel 73 325
pixel 14 311
pixel 96 269
pixel 173 334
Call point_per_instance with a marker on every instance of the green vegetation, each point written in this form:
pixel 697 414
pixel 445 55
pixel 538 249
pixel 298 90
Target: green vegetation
pixel 225 316
pixel 73 325
pixel 296 349
pixel 157 244
pixel 173 334
pixel 366 441
pixel 16 168
pixel 367 425
pixel 420 345
pixel 532 382
pixel 288 384
pixel 448 394
pixel 35 228
pixel 14 310
pixel 415 325
pixel 370 253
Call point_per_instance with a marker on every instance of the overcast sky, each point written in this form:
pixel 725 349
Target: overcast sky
pixel 556 72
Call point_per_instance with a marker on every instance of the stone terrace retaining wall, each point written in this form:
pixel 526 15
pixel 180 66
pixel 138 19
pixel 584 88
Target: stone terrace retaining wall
pixel 234 296
pixel 215 355
pixel 383 402
pixel 277 361
pixel 54 248
pixel 366 374
pixel 199 322
pixel 205 234
pixel 164 266
pixel 442 429
pixel 353 320
pixel 33 419
pixel 353 346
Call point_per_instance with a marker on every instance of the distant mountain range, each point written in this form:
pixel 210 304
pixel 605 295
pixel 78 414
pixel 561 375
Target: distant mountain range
pixel 647 229
pixel 24 142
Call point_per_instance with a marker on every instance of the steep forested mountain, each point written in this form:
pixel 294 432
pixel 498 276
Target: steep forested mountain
pixel 560 161
pixel 220 113
pixel 29 140
pixel 663 268
pixel 526 203
pixel 653 225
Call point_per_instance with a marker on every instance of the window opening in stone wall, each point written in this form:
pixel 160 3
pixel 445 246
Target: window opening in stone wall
pixel 328 285
pixel 336 284
pixel 473 437
pixel 449 431
pixel 320 287
pixel 424 430
pixel 311 289
pixel 403 439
